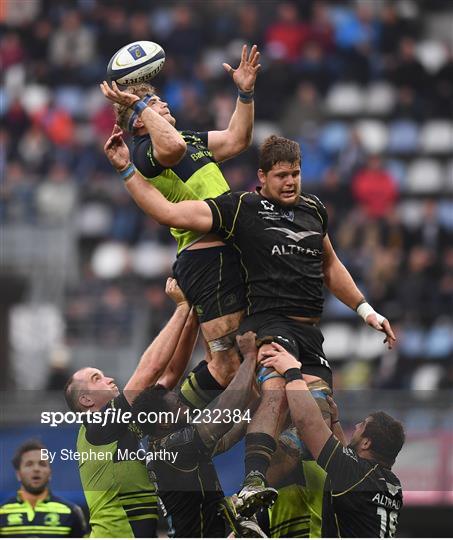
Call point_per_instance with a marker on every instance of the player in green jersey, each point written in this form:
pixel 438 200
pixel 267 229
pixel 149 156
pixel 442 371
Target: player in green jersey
pixel 121 500
pixel 184 166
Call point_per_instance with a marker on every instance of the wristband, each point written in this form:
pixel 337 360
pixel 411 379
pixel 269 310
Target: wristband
pixel 245 97
pixel 364 310
pixel 293 374
pixel 138 107
pixel 128 172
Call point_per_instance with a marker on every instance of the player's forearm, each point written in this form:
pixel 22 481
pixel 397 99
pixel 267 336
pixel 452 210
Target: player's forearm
pixel 159 353
pixel 236 396
pixel 182 215
pixel 340 283
pixel 337 430
pixel 307 416
pixel 241 124
pixel 168 145
pixel 182 354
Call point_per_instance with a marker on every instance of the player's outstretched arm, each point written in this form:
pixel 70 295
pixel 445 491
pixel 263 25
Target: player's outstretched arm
pixel 190 215
pixel 157 356
pixel 168 145
pixel 237 137
pixel 340 283
pixel 236 395
pixel 183 352
pixel 304 410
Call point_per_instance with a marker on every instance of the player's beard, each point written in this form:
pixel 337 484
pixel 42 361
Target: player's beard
pixel 35 490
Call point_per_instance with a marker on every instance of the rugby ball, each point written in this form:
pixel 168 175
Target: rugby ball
pixel 136 62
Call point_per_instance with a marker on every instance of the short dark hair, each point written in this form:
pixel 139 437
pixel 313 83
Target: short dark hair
pixel 276 150
pixel 150 400
pixel 27 446
pixel 71 394
pixel 386 435
pixel 123 113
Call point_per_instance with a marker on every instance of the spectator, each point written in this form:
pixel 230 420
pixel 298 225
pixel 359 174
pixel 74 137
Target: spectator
pixel 375 189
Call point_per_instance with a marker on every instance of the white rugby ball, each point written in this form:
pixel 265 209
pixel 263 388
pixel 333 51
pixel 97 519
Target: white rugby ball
pixel 136 62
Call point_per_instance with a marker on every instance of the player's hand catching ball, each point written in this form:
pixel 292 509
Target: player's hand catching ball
pixel 245 74
pixel 116 149
pixel 174 292
pixel 280 359
pixel 246 344
pixel 116 95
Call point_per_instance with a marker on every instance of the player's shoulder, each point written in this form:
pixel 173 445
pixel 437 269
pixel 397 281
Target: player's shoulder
pixel 12 499
pixel 310 198
pixel 57 500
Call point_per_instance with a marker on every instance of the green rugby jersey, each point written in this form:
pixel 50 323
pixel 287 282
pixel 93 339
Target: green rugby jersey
pixel 50 517
pixel 121 499
pixel 196 177
pixel 297 513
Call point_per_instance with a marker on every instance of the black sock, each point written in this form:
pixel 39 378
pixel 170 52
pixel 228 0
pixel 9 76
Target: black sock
pixel 200 387
pixel 259 448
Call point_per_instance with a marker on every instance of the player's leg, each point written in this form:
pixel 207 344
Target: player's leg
pixel 212 282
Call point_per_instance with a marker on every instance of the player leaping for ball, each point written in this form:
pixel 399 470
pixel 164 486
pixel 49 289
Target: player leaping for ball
pixel 184 166
pixel 281 236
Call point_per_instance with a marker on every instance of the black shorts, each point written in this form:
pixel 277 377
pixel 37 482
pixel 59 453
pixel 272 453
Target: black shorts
pixel 211 280
pixel 304 341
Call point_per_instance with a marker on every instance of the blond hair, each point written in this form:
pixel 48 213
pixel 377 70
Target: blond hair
pixel 123 113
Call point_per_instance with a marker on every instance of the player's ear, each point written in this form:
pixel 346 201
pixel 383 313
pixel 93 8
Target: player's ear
pixel 19 479
pixel 365 443
pixel 261 176
pixel 86 401
pixel 138 124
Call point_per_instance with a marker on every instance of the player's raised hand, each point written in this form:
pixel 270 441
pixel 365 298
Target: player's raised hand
pixel 113 93
pixel 333 408
pixel 245 74
pixel 383 326
pixel 174 292
pixel 116 149
pixel 280 359
pixel 246 343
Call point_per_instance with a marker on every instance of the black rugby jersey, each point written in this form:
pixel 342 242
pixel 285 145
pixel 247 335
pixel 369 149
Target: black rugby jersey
pixel 188 484
pixel 366 498
pixel 281 250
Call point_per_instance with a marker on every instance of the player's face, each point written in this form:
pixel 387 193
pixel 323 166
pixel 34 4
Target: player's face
pixel 161 107
pixel 358 433
pixel 34 472
pixel 281 183
pixel 98 387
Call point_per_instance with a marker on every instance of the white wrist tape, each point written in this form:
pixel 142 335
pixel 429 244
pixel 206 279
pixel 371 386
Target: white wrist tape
pixel 365 309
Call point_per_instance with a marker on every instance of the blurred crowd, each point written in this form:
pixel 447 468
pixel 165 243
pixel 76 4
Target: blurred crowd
pixel 366 87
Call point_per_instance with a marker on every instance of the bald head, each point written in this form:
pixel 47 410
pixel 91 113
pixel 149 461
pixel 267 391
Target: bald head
pixel 89 389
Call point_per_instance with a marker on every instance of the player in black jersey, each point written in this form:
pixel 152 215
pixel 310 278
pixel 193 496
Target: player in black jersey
pixel 183 165
pixel 366 496
pixel 181 448
pixel 281 236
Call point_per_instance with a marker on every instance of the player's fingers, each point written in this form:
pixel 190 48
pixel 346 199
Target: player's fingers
pixel 278 347
pixel 254 55
pixel 388 330
pixel 117 130
pixel 244 54
pixel 228 68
